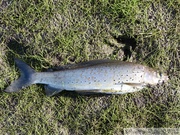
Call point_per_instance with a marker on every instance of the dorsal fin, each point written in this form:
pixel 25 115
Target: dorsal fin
pixel 86 64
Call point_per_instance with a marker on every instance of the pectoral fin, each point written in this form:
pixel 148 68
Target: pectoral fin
pixel 135 84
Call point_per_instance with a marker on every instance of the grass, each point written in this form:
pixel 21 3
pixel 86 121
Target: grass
pixel 51 33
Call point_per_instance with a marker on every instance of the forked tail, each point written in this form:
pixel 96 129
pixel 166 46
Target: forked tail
pixel 25 79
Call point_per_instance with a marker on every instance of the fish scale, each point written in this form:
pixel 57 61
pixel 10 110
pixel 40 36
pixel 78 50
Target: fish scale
pixel 98 76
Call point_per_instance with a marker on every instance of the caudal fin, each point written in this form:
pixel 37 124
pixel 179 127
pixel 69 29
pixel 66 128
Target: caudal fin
pixel 25 78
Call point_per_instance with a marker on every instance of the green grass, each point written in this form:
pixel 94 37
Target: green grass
pixel 51 33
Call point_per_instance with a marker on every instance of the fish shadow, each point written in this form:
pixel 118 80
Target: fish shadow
pixel 74 94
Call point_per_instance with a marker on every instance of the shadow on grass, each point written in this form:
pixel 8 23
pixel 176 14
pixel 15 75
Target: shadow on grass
pixel 19 50
pixel 130 45
pixel 73 94
pixel 15 48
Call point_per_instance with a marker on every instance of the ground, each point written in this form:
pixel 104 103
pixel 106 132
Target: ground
pixel 51 33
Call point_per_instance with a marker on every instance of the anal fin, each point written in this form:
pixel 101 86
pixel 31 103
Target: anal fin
pixel 50 91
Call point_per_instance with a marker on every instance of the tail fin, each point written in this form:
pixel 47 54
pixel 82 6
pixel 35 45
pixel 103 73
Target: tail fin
pixel 25 79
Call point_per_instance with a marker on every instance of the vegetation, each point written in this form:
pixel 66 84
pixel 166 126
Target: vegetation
pixel 50 33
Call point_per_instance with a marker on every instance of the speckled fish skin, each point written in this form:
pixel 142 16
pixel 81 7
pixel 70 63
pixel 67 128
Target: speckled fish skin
pixel 99 76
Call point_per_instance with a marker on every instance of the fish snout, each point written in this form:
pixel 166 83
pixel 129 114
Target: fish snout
pixel 164 78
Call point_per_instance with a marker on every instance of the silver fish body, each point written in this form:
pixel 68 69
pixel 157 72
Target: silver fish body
pixel 99 76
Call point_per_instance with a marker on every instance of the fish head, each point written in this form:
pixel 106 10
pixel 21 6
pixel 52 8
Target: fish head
pixel 163 77
pixel 153 77
pixel 160 77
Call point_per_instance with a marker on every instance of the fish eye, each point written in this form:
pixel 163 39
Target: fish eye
pixel 160 74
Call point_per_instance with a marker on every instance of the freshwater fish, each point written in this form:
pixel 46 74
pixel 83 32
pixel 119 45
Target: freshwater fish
pixel 97 76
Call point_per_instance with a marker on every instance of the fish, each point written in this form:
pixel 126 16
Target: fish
pixel 96 76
